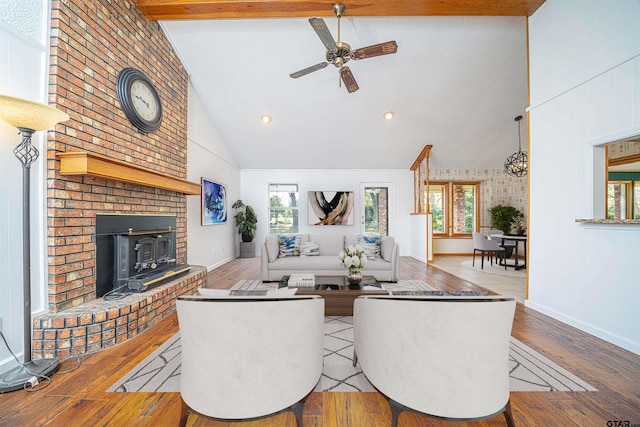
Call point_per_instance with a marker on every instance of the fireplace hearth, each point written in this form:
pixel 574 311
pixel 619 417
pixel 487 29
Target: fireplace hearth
pixel 135 252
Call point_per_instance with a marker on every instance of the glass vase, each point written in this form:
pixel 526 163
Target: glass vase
pixel 354 277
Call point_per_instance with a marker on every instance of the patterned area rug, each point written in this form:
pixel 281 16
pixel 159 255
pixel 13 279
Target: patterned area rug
pixel 530 371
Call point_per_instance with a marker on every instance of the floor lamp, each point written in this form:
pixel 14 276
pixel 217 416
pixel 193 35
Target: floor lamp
pixel 28 117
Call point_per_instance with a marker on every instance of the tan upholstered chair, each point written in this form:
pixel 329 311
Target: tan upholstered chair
pixel 247 358
pixel 446 357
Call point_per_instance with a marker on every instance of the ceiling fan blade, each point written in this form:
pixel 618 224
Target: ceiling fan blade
pixel 323 32
pixel 375 50
pixel 308 70
pixel 348 79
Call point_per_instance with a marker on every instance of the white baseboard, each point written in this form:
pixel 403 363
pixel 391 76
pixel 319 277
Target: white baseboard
pixel 586 327
pixel 417 258
pixel 220 263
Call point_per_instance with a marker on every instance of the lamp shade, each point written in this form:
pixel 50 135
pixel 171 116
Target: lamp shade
pixel 22 113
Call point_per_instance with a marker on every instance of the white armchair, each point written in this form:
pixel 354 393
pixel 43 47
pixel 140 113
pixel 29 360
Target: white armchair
pixel 249 358
pixel 446 357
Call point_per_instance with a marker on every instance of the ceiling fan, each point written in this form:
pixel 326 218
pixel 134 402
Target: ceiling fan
pixel 340 53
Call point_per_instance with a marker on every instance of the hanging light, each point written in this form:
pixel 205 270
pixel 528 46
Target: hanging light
pixel 516 164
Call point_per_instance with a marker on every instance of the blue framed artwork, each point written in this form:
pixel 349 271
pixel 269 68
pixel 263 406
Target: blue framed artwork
pixel 214 202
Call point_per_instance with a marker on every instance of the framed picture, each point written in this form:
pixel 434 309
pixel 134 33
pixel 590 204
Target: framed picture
pixel 330 207
pixel 214 202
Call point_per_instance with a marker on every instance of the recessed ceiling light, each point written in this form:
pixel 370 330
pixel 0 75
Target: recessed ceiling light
pixel 389 115
pixel 266 118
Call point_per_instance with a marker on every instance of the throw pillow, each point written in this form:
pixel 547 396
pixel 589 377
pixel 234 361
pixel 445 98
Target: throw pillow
pixel 272 247
pixel 289 245
pixel 371 245
pixel 309 249
pixel 386 248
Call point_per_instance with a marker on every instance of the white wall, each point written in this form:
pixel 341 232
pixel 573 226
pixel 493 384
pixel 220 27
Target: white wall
pixel 255 192
pixel 208 157
pixel 585 90
pixel 23 61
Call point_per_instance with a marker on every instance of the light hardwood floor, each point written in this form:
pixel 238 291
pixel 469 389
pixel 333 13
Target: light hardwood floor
pixel 515 287
pixel 79 398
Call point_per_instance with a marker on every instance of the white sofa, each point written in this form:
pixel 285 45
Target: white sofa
pixel 326 263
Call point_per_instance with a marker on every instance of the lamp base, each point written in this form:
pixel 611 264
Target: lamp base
pixel 16 378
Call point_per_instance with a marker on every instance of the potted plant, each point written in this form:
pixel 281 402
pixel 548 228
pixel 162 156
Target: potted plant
pixel 246 220
pixel 503 217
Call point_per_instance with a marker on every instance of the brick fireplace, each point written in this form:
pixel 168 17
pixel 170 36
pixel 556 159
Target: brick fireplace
pixel 91 41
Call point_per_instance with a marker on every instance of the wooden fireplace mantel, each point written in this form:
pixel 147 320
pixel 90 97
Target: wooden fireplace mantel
pixel 85 163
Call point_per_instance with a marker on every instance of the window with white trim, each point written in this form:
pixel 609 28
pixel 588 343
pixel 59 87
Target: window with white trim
pixel 283 208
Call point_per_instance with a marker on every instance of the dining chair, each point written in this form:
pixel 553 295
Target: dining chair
pixel 487 246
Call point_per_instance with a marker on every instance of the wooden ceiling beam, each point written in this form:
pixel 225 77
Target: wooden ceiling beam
pixel 234 9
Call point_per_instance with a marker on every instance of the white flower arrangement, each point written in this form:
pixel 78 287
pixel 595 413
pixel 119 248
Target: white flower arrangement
pixel 353 259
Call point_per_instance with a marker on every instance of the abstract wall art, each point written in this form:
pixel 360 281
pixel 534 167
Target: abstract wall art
pixel 331 207
pixel 214 202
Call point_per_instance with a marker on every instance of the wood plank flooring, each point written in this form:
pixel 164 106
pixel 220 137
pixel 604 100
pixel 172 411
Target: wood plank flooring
pixel 79 398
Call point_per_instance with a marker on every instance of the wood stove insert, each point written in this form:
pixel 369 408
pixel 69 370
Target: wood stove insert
pixel 135 252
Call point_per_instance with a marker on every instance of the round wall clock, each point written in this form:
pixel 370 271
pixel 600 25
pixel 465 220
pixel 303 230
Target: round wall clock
pixel 139 100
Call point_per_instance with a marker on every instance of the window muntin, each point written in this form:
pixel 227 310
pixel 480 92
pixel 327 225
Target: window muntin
pixel 283 208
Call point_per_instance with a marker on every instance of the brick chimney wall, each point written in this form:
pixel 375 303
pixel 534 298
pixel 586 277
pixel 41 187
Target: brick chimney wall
pixel 91 41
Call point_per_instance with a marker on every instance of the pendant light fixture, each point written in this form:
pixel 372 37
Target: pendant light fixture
pixel 517 164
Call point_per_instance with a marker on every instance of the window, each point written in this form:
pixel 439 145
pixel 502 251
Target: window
pixel 618 195
pixel 455 207
pixel 283 208
pixel 437 202
pixel 376 210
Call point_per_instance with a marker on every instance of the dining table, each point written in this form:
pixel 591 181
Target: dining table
pixel 516 239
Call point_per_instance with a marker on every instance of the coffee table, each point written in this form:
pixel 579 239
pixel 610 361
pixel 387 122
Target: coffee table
pixel 338 293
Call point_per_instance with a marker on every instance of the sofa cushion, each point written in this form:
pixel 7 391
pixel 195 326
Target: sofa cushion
pixel 386 248
pixel 370 245
pixel 329 244
pixel 273 247
pixel 309 249
pixel 308 264
pixel 289 245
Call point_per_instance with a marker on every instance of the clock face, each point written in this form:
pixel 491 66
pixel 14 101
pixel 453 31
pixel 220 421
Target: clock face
pixel 139 100
pixel 144 100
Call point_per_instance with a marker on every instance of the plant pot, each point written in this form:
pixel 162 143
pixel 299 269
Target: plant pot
pixel 246 237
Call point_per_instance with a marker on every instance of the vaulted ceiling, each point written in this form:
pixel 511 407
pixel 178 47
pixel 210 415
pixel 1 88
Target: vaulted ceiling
pixel 457 81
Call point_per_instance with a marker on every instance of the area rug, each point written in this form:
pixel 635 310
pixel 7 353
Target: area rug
pixel 529 370
pixel 494 269
pixel 401 285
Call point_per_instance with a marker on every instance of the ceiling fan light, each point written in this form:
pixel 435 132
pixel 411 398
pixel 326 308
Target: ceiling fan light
pixel 265 119
pixel 389 115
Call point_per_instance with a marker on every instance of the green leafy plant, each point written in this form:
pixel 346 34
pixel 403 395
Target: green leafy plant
pixel 246 220
pixel 503 217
